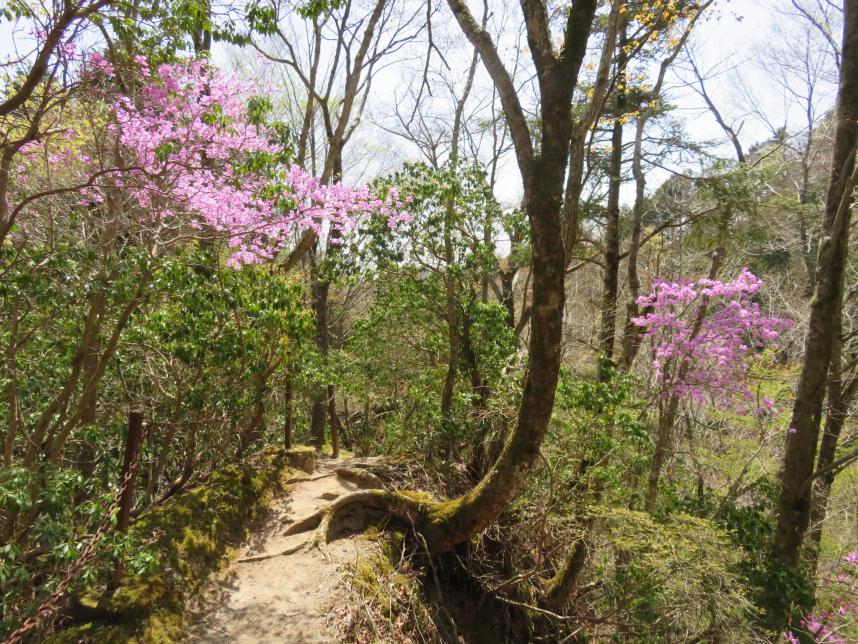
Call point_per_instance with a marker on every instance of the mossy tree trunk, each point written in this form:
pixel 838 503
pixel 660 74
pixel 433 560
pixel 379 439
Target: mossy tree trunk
pixel 825 321
pixel 543 172
pixel 842 389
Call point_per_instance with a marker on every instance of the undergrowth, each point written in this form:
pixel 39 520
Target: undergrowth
pixel 190 535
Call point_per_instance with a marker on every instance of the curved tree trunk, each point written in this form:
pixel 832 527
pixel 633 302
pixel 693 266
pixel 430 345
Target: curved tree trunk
pixel 451 523
pixel 454 522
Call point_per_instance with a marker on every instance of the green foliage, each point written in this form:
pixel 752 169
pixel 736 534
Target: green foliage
pixel 210 347
pixel 397 355
pixel 184 540
pixel 598 438
pixel 750 526
pixel 671 580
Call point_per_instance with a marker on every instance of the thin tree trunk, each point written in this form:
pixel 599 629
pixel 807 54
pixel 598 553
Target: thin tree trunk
pixel 669 411
pixel 807 255
pixel 287 405
pixel 133 440
pixel 610 280
pixel 663 444
pixel 318 418
pixel 455 340
pixel 160 462
pixel 89 412
pixel 632 332
pixel 12 387
pixel 807 259
pixel 252 432
pixel 335 423
pixel 507 278
pixel 321 292
pixel 188 463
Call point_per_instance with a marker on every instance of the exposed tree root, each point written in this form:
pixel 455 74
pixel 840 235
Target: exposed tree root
pixel 396 504
pixel 283 553
pixel 423 516
pixel 361 477
pixel 304 479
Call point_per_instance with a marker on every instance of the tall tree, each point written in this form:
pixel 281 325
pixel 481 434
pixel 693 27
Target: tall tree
pixel 543 173
pixel 336 79
pixel 794 508
pixel 542 162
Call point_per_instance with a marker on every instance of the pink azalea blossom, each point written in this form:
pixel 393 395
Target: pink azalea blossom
pixel 706 335
pixel 185 136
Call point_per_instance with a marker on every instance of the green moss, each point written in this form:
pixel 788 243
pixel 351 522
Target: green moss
pixel 392 547
pixel 91 632
pixel 439 512
pixel 191 535
pixel 371 577
pixel 417 495
pixel 391 589
pixel 300 449
pixel 164 627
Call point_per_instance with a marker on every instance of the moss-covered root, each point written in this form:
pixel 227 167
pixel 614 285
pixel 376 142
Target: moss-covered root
pixel 361 477
pixel 411 509
pixel 433 520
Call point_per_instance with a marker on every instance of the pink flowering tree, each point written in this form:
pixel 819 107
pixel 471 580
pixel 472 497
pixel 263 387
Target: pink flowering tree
pixel 203 150
pixel 193 151
pixel 705 338
pixel 182 152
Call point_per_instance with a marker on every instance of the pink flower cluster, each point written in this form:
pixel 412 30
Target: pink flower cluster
pixel 827 625
pixel 185 136
pixel 706 336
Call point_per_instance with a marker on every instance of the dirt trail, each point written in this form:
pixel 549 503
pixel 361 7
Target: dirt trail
pixel 278 590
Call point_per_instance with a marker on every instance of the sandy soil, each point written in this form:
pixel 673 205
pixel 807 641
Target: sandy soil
pixel 278 590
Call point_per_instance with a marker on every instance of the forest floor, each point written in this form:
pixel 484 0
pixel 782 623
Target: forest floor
pixel 279 588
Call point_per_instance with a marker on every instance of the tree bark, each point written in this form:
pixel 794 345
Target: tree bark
pixel 663 444
pixel 318 418
pixel 287 411
pixel 89 411
pixel 631 341
pixel 11 358
pixel 454 522
pixel 133 440
pixel 335 423
pixel 794 506
pixel 610 280
pixel 840 397
pixel 507 278
pixel 807 257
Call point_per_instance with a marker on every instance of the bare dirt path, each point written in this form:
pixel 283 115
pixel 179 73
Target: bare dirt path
pixel 278 590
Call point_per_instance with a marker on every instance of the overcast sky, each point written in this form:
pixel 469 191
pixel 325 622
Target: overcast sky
pixel 733 33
